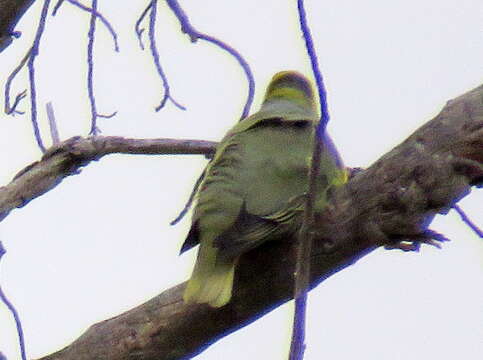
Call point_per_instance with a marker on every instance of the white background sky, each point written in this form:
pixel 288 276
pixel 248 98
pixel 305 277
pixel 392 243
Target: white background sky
pixel 100 243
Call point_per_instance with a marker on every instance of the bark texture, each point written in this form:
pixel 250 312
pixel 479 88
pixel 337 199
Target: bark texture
pixel 394 200
pixel 68 157
pixel 10 13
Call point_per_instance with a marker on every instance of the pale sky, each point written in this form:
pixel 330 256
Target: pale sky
pixel 100 243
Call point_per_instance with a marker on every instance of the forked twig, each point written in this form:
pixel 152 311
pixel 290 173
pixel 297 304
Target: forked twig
pixel 94 12
pixel 151 9
pixel 90 69
pixel 137 27
pixel 12 109
pixel 94 15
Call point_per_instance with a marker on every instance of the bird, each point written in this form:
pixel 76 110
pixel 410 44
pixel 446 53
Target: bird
pixel 255 186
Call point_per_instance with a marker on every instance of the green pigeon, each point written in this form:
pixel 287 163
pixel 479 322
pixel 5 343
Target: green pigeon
pixel 254 188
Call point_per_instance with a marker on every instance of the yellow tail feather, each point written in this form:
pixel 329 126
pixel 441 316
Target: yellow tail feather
pixel 212 286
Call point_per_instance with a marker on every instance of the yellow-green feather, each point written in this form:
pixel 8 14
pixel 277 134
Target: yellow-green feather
pixel 254 187
pixel 210 283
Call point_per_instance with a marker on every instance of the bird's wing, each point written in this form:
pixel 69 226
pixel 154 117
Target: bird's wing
pixel 219 199
pixel 250 231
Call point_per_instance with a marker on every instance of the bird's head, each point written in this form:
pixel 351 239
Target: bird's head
pixel 291 86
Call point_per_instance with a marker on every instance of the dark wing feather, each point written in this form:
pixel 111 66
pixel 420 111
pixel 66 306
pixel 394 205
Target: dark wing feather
pixel 192 239
pixel 249 231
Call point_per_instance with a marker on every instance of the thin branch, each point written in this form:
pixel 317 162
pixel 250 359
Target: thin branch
pixel 16 317
pixel 190 200
pixel 13 109
pixel 194 35
pixel 137 27
pixel 31 67
pixel 68 157
pixel 155 54
pixel 96 14
pixel 93 11
pixel 54 133
pixel 90 70
pixel 107 116
pixel 303 246
pixel 468 221
pixel 303 249
pixel 57 7
pixel 314 62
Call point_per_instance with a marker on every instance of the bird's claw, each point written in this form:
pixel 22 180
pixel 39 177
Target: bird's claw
pixel 413 242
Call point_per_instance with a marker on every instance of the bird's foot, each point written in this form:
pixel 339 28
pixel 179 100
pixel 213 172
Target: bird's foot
pixel 413 242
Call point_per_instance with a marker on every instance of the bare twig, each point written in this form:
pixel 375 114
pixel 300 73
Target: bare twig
pixel 96 14
pixel 152 9
pixel 54 133
pixel 314 62
pixel 68 157
pixel 13 108
pixel 33 54
pixel 303 248
pixel 107 116
pixel 57 7
pixel 16 317
pixel 190 199
pixel 468 221
pixel 93 11
pixel 90 70
pixel 194 35
pixel 137 27
pixel 304 243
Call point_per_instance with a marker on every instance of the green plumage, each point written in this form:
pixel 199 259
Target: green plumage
pixel 254 187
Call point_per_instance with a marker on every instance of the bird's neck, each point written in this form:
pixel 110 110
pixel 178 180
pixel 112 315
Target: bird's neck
pixel 280 105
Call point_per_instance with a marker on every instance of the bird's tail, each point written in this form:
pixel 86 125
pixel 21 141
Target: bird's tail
pixel 211 281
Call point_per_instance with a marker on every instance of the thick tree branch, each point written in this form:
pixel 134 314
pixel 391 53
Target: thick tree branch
pixel 395 199
pixel 68 157
pixel 10 13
